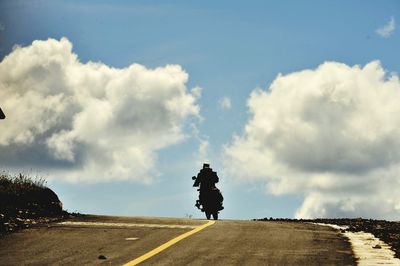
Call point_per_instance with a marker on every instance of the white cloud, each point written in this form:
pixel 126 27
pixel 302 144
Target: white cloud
pixel 89 122
pixel 202 154
pixel 203 151
pixel 225 103
pixel 387 30
pixel 330 134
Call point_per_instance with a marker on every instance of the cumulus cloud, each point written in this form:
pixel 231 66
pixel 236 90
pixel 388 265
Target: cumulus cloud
pixel 330 134
pixel 387 30
pixel 225 103
pixel 89 121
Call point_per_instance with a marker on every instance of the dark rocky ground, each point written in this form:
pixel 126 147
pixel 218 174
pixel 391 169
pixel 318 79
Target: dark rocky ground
pixel 9 224
pixel 388 232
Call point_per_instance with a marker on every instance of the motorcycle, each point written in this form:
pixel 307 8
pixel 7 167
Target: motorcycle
pixel 210 201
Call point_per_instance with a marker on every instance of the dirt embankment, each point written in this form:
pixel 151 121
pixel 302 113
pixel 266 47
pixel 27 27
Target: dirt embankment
pixel 25 201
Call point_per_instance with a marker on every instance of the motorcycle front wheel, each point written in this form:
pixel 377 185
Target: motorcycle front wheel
pixel 215 215
pixel 208 215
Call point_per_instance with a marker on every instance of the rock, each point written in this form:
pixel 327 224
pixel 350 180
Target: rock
pixel 102 257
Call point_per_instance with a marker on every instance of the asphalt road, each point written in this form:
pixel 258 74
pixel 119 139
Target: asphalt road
pixel 123 239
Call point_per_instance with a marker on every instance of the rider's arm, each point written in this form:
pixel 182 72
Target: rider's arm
pixel 197 181
pixel 216 178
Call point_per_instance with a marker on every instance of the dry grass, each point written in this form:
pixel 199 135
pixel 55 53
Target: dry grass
pixel 20 183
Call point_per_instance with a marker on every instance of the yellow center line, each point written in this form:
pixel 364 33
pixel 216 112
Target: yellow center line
pixel 167 245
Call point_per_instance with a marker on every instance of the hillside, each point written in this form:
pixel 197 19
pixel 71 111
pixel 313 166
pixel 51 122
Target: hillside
pixel 25 201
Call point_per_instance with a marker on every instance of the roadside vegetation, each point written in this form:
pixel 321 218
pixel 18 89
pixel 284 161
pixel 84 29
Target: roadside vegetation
pixel 25 201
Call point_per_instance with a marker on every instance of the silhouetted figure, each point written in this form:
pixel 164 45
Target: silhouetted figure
pixel 210 198
pixel 206 178
pixel 2 115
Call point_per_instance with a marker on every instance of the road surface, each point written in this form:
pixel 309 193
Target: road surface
pixel 118 240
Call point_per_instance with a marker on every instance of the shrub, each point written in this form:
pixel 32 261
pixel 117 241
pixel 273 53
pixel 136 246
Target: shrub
pixel 22 194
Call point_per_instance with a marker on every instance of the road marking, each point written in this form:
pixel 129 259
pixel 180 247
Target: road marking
pixel 129 225
pixel 167 245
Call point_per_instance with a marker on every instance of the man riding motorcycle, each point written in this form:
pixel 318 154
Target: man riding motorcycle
pixel 210 198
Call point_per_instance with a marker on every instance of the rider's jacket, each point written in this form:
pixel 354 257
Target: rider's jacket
pixel 206 179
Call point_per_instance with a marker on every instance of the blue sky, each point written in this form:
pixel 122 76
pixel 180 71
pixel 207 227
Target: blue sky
pixel 228 49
